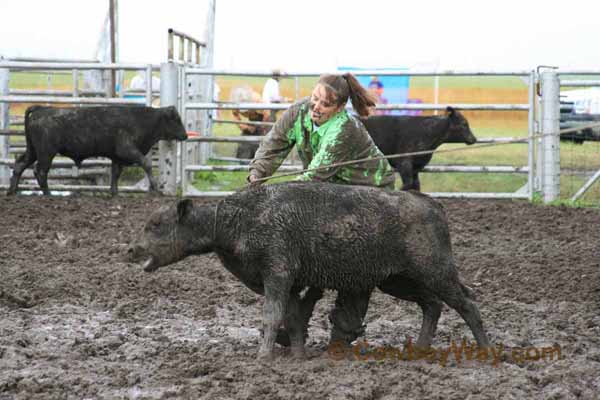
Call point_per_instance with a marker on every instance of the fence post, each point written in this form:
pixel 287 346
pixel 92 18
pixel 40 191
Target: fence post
pixel 193 118
pixel 167 149
pixel 4 124
pixel 550 87
pixel 148 85
pixel 204 92
pixel 530 134
pixel 538 141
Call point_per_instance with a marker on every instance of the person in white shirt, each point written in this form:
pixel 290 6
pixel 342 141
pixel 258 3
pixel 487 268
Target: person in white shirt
pixel 138 82
pixel 271 92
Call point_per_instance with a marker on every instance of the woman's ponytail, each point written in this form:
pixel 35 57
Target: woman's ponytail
pixel 362 100
pixel 346 86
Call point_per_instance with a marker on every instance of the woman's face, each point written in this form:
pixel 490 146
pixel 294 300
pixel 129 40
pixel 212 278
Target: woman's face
pixel 322 107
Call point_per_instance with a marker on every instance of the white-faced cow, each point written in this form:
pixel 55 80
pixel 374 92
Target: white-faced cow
pixel 124 134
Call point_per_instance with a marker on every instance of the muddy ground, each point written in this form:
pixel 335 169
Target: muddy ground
pixel 76 321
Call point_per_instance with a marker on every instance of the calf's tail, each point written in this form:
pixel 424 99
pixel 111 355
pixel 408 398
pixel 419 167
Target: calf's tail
pixel 28 112
pixel 27 116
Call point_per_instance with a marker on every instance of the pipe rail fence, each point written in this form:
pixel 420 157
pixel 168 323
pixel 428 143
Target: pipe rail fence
pixel 179 87
pixel 593 83
pixel 67 168
pixel 188 168
pixel 183 40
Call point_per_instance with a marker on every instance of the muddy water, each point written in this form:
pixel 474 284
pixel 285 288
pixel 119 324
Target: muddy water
pixel 78 322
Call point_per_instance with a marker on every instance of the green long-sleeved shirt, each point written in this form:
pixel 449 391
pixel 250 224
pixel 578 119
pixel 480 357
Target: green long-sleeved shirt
pixel 342 138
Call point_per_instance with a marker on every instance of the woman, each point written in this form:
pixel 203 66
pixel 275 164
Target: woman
pixel 324 133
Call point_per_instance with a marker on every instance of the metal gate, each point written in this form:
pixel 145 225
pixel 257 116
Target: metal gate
pixel 188 168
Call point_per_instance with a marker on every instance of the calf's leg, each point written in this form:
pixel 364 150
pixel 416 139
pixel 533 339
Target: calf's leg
pixel 146 164
pixel 405 169
pixel 416 181
pixel 294 325
pixel 432 309
pixel 453 293
pixel 24 161
pixel 134 156
pixel 277 293
pixel 41 172
pixel 348 315
pixel 115 173
pixel 306 306
pixel 431 306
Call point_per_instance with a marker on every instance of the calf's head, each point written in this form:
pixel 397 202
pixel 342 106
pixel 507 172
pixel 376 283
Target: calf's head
pixel 460 132
pixel 171 234
pixel 171 127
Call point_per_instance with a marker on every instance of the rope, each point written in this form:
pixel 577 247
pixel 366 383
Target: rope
pixel 420 153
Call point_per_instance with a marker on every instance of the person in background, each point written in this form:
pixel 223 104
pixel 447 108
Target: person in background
pixel 271 92
pixel 376 88
pixel 138 82
pixel 324 133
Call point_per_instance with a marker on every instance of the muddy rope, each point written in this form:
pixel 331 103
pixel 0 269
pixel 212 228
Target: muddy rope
pixel 424 152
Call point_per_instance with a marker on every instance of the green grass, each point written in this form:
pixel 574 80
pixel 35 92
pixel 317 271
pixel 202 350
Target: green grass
pixel 470 182
pixel 26 80
pixel 219 181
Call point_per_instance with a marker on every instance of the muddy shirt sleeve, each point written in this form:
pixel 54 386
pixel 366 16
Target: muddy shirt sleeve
pixel 276 145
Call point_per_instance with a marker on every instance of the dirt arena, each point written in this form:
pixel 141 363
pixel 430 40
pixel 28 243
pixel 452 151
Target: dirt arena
pixel 78 322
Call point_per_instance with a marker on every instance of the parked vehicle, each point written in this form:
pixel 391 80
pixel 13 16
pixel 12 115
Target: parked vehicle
pixel 580 108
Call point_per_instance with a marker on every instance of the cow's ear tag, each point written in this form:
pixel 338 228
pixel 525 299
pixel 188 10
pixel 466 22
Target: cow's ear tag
pixel 183 208
pixel 449 111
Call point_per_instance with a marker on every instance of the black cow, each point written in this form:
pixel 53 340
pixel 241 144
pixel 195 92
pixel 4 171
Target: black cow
pixel 280 238
pixel 123 134
pixel 395 134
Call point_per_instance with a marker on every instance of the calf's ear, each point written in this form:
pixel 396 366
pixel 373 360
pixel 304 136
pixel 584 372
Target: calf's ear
pixel 450 111
pixel 184 207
